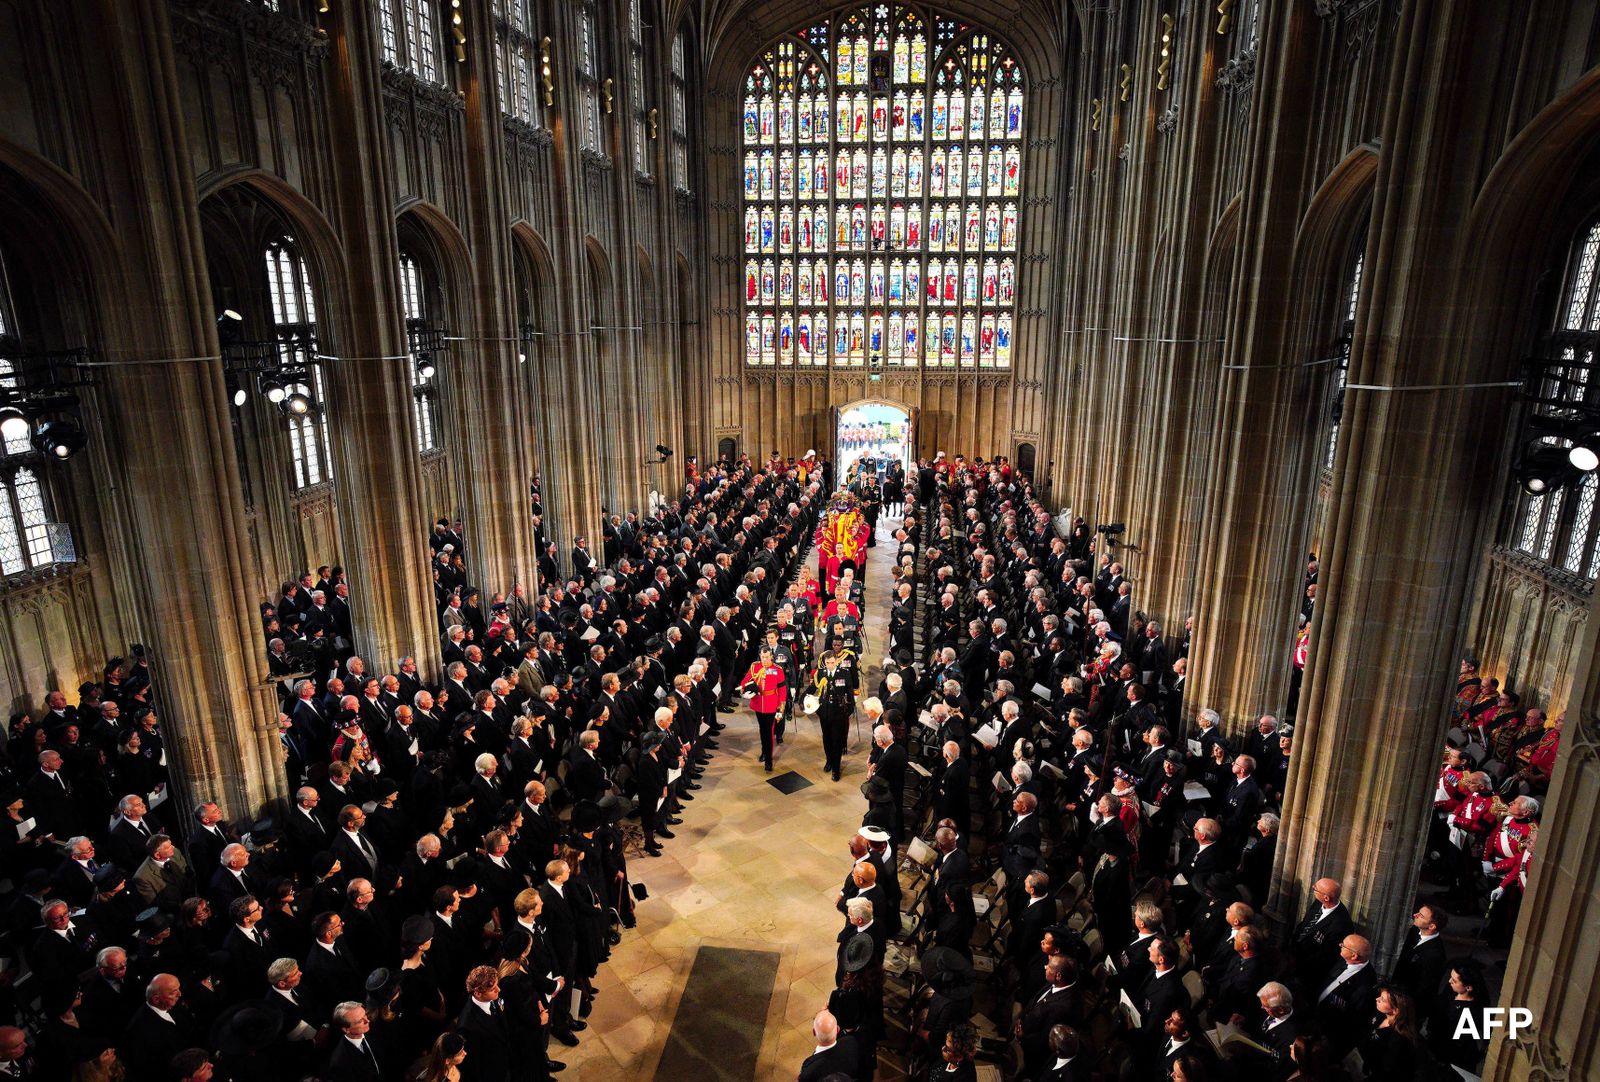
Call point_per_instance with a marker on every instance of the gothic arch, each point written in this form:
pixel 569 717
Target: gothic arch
pixel 1336 215
pixel 1526 193
pixel 313 234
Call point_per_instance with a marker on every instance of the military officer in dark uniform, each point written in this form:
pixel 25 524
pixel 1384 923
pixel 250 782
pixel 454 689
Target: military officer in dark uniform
pixel 837 681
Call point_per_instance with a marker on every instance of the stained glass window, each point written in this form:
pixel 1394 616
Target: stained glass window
pixel 517 63
pixel 881 157
pixel 407 28
pixel 636 96
pixel 589 77
pixel 294 321
pixel 680 113
pixel 1561 527
pixel 413 299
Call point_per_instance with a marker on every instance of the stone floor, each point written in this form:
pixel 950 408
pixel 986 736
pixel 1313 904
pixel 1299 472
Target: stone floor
pixel 749 868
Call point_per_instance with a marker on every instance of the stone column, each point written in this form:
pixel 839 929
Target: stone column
pixel 1255 517
pixel 496 469
pixel 176 483
pixel 377 477
pixel 1412 476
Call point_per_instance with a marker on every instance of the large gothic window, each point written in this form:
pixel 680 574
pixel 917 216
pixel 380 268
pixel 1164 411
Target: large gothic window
pixel 637 104
pixel 516 46
pixel 420 336
pixel 409 41
pixel 882 173
pixel 1341 359
pixel 589 77
pixel 294 323
pixel 1559 525
pixel 680 114
pixel 24 518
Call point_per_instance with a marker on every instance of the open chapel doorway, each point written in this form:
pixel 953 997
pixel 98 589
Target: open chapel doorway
pixel 874 433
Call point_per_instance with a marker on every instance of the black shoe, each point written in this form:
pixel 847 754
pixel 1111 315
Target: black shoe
pixel 712 744
pixel 586 1006
pixel 671 821
pixel 835 775
pixel 780 738
pixel 579 1027
pixel 565 1037
pixel 688 796
pixel 692 785
pixel 654 850
pixel 554 1066
pixel 664 834
pixel 769 766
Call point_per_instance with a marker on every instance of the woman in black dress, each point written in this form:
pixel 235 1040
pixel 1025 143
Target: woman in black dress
pixel 955 1058
pixel 1392 1052
pixel 894 488
pixel 1467 992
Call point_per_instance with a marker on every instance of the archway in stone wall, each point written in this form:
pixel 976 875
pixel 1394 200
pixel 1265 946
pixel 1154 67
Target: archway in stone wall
pixel 876 429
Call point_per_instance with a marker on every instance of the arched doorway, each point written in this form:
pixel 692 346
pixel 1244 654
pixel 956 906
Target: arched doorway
pixel 881 431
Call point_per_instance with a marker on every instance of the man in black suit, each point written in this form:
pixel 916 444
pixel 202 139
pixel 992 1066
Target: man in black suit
pixel 208 838
pixel 1255 861
pixel 1020 854
pixel 1059 1003
pixel 1422 965
pixel 109 999
pixel 561 934
pixel 1279 1027
pixel 951 799
pixel 304 827
pixel 1243 802
pixel 231 880
pixel 1344 1001
pixel 1067 1062
pixel 158 1030
pixel 1184 1037
pixel 330 973
pixel 484 1026
pixel 49 797
pixel 586 777
pixel 1037 912
pixel 1314 943
pixel 249 950
pixel 834 1053
pixel 62 949
pixel 888 761
pixel 354 852
pixel 130 834
pixel 1204 861
pixel 355 1056
pixel 1162 993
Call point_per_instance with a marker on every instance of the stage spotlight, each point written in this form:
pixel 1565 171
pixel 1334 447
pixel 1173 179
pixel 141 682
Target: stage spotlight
pixel 14 425
pixel 274 389
pixel 229 313
pixel 1583 454
pixel 240 395
pixel 425 367
pixel 60 439
pixel 297 402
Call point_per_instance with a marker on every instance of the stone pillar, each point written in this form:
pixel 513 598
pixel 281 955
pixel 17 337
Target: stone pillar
pixel 496 469
pixel 176 482
pixel 1255 516
pixel 1413 473
pixel 377 477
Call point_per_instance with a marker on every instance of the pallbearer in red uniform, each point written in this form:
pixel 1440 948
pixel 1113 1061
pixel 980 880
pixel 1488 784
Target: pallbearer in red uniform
pixel 841 540
pixel 771 691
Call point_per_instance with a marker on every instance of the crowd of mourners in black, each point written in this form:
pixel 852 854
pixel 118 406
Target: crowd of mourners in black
pixel 1043 834
pixel 437 899
pixel 1080 893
